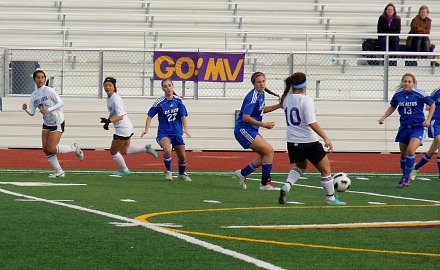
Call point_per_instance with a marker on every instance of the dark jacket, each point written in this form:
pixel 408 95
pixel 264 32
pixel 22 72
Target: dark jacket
pixel 419 26
pixel 394 28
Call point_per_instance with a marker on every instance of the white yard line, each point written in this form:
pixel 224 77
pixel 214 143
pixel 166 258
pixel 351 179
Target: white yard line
pixel 184 237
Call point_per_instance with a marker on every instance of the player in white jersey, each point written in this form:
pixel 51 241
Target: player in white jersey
pixel 123 128
pixel 303 132
pixel 49 103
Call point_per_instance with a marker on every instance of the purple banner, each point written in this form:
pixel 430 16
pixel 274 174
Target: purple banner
pixel 199 66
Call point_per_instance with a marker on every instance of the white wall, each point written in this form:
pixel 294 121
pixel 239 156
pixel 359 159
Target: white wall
pixel 351 125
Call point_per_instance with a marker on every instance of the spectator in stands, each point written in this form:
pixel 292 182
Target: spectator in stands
pixel 123 128
pixel 303 132
pixel 433 132
pixel 49 104
pixel 246 132
pixel 389 23
pixel 421 24
pixel 409 100
pixel 172 114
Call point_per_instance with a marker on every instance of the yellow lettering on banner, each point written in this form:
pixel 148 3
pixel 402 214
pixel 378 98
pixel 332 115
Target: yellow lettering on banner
pixel 236 71
pixel 191 67
pixel 169 69
pixel 221 67
pixel 215 69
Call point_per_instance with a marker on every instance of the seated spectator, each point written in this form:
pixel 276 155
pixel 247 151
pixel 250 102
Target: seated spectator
pixel 389 23
pixel 421 24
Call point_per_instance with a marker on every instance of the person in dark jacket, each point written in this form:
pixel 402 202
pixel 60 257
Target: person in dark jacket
pixel 389 23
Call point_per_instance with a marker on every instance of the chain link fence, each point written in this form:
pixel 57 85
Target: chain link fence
pixel 331 75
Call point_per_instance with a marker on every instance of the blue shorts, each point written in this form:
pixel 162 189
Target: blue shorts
pixel 406 133
pixel 434 129
pixel 245 136
pixel 175 140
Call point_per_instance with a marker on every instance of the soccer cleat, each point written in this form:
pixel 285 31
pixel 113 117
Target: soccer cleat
pixel 151 150
pixel 185 177
pixel 78 152
pixel 406 182
pixel 283 196
pixel 414 174
pixel 168 176
pixel 59 174
pixel 268 186
pixel 123 173
pixel 335 202
pixel 241 179
pixel 400 184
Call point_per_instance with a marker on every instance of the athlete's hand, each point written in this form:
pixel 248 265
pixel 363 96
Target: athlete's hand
pixel 106 122
pixel 145 132
pixel 329 145
pixel 24 106
pixel 268 125
pixel 187 133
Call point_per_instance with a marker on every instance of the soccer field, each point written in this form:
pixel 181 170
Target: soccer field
pixel 91 220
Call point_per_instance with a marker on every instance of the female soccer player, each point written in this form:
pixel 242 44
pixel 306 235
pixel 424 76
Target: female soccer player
pixel 172 125
pixel 433 132
pixel 246 132
pixel 409 101
pixel 302 138
pixel 49 104
pixel 123 128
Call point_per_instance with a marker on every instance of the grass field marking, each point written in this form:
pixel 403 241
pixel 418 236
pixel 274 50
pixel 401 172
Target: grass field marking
pixel 362 225
pixel 359 192
pixel 144 218
pixel 184 237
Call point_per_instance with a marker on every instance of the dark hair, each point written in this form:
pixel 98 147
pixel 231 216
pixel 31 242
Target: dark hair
pixel 111 80
pixel 164 80
pixel 384 14
pixel 296 78
pixel 36 72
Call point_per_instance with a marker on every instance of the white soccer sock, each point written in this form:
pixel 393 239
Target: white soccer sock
pixel 120 161
pixel 135 149
pixel 328 186
pixel 65 149
pixel 294 174
pixel 53 161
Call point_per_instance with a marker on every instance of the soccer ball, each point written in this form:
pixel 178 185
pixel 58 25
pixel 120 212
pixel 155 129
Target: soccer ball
pixel 341 182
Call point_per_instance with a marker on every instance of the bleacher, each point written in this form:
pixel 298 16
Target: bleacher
pixel 210 25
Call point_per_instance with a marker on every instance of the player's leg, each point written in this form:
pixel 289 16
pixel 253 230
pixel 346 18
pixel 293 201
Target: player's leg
pixel 179 146
pixel 165 143
pixel 266 152
pixel 50 139
pixel 120 144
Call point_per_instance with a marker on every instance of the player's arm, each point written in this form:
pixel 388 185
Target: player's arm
pixel 388 112
pixel 185 126
pixel 430 114
pixel 321 133
pixel 147 126
pixel 272 108
pixel 248 119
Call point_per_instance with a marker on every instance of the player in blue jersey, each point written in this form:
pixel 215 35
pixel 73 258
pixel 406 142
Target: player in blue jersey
pixel 49 103
pixel 302 135
pixel 171 114
pixel 433 132
pixel 246 132
pixel 409 101
pixel 123 128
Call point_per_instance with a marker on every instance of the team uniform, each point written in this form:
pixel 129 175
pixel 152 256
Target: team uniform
pixel 410 106
pixel 169 113
pixel 434 127
pixel 253 104
pixel 433 131
pixel 124 127
pixel 46 97
pixel 302 142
